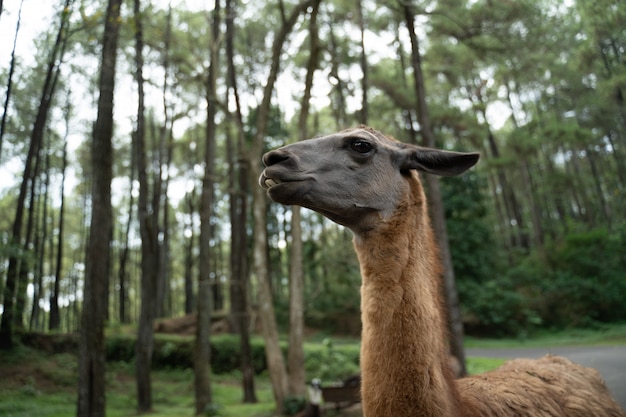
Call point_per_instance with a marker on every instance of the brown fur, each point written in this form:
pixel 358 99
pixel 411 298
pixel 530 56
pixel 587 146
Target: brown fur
pixel 404 357
pixel 548 387
pixel 365 181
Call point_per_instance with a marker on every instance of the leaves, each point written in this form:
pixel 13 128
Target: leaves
pixel 538 87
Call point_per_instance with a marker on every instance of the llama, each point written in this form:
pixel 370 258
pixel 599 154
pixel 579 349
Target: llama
pixel 369 183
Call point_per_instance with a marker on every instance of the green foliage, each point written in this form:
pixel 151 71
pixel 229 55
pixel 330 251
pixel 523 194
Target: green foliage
pixel 325 360
pixel 293 405
pixel 330 362
pixel 226 356
pixel 575 282
pixel 472 245
pixel 587 280
pixel 177 352
pixel 558 69
pixel 496 307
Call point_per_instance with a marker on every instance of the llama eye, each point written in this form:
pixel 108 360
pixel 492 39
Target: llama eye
pixel 361 146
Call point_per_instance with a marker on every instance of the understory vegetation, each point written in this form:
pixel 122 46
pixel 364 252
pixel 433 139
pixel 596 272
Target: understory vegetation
pixel 38 379
pixel 41 382
pixel 570 281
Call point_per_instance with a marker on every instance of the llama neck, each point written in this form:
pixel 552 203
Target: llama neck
pixel 404 359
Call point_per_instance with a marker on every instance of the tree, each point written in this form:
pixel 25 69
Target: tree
pixel 435 199
pixel 295 360
pixel 91 359
pixel 275 361
pixel 13 306
pixel 7 97
pixel 148 214
pixel 238 196
pixel 55 317
pixel 363 117
pixel 203 329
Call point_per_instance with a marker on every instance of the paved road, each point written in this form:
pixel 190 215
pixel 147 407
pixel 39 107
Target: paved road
pixel 610 361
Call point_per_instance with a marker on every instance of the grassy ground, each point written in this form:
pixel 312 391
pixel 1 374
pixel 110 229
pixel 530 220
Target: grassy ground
pixel 614 334
pixel 35 384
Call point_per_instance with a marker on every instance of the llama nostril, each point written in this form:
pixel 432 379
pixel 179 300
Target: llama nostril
pixel 275 157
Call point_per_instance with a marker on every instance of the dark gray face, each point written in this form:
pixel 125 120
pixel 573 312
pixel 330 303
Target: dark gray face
pixel 355 177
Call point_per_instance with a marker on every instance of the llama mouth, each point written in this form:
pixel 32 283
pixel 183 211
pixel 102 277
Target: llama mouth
pixel 270 182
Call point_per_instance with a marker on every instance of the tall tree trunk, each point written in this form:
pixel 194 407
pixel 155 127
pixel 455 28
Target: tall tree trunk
pixel 40 243
pixel 363 114
pixel 148 229
pixel 597 183
pixel 29 247
pixel 163 289
pixel 295 357
pixel 55 317
pixel 338 98
pixel 238 185
pixel 202 356
pixel 238 217
pixel 189 258
pixel 91 382
pixel 160 192
pixel 275 361
pixel 436 201
pixel 122 275
pixel 408 112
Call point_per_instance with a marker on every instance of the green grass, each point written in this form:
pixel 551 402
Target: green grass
pixel 47 388
pixel 480 365
pixel 614 334
pixel 36 384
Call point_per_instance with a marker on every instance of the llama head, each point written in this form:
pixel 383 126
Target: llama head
pixel 356 177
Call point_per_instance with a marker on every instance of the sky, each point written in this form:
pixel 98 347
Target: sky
pixel 38 15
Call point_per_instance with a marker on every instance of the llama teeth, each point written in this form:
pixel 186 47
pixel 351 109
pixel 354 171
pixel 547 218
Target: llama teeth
pixel 269 182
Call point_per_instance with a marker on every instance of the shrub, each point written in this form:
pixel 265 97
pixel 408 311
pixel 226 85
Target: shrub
pixel 226 354
pixel 331 363
pixel 499 309
pixel 120 348
pixel 293 405
pixel 586 279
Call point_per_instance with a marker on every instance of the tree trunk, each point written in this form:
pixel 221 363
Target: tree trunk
pixel 124 316
pixel 436 202
pixel 275 361
pixel 240 275
pixel 54 322
pixel 91 381
pixel 40 244
pixel 148 230
pixel 202 356
pixel 238 186
pixel 363 114
pixel 163 297
pixel 295 359
pixel 338 98
pixel 160 192
pixel 189 258
pixel 29 248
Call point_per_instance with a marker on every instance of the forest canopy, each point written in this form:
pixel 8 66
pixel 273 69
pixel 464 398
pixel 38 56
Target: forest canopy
pixel 537 231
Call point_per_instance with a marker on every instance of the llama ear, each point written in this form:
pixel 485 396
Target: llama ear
pixel 438 162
